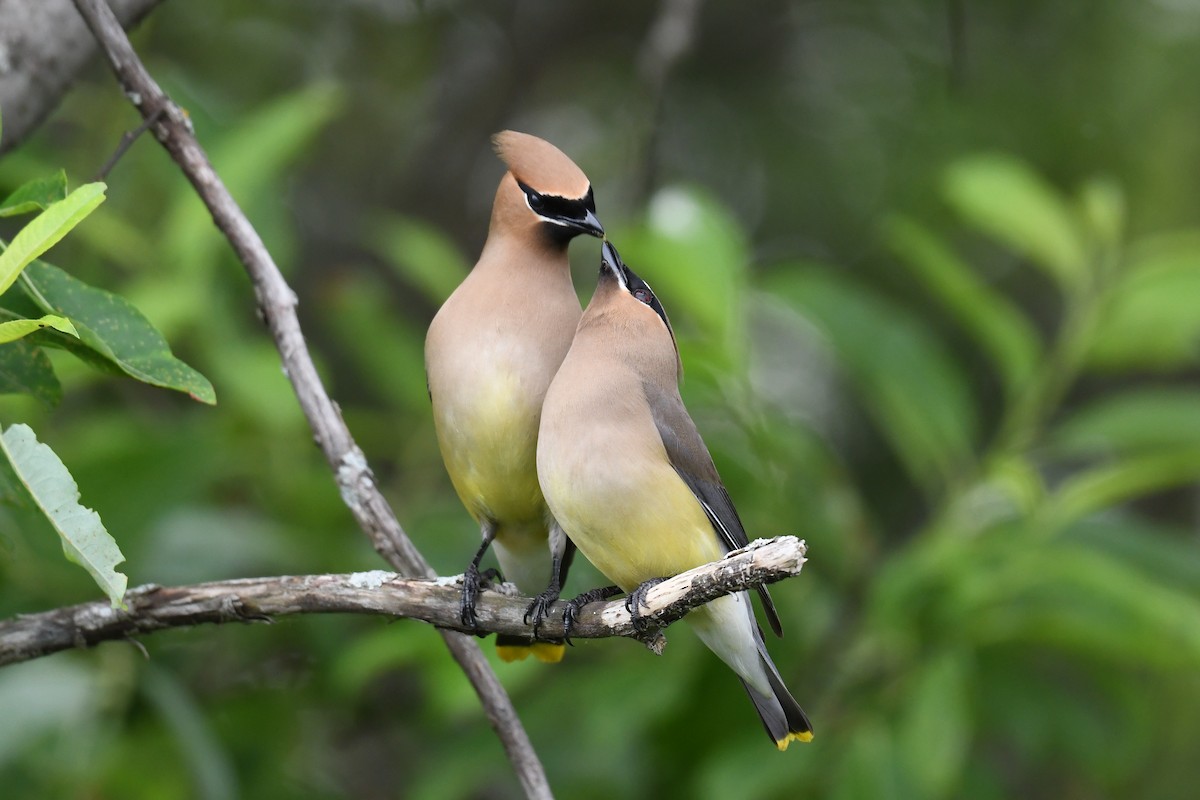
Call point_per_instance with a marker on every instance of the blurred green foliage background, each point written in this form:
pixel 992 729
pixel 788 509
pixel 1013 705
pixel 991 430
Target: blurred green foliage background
pixel 935 273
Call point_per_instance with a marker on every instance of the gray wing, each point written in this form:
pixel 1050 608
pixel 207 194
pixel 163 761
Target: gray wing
pixel 691 459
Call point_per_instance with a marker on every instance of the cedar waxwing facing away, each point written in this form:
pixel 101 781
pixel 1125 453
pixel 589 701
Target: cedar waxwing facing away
pixel 489 356
pixel 626 474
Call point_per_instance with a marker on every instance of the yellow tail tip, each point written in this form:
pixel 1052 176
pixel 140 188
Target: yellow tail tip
pixel 782 744
pixel 510 653
pixel 546 652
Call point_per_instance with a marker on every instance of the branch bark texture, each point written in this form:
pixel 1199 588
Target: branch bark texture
pixel 154 608
pixel 277 304
pixel 43 46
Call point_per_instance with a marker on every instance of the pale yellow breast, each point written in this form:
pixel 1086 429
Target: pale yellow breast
pixel 607 479
pixel 488 438
pixel 490 355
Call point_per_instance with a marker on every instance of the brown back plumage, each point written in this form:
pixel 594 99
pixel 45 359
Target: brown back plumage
pixel 540 165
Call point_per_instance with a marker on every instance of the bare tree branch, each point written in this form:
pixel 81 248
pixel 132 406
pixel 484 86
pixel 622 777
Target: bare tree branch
pixel 154 608
pixel 43 46
pixel 277 304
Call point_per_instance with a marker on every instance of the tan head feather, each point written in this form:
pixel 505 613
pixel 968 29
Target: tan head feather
pixel 540 165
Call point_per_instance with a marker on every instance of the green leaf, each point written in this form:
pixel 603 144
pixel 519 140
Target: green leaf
pixel 36 195
pixel 1120 482
pixel 935 728
pixel 906 379
pixel 53 490
pixel 111 328
pixel 1167 554
pixel 1010 488
pixel 1103 208
pixel 250 158
pixel 1003 332
pixel 377 342
pixel 1140 420
pixel 423 255
pixel 25 369
pixel 1001 196
pixel 1072 598
pixel 46 229
pixel 1152 320
pixel 18 328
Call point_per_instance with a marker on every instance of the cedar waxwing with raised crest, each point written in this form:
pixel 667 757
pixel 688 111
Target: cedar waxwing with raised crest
pixel 628 477
pixel 490 354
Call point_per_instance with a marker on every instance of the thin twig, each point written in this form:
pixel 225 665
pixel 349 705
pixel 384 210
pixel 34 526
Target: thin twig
pixel 154 608
pixel 127 140
pixel 277 304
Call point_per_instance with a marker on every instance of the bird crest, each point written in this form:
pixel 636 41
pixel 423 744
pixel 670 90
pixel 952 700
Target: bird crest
pixel 540 165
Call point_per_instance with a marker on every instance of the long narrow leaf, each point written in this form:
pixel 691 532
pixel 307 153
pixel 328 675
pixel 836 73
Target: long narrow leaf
pixel 15 329
pixel 1001 196
pixel 36 195
pixel 46 229
pixel 112 330
pixel 998 327
pixel 1121 482
pixel 906 380
pixel 84 538
pixel 26 369
pixel 1140 420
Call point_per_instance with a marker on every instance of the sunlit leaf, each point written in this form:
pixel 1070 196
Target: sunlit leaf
pixel 425 256
pixel 25 369
pixel 112 329
pixel 51 487
pixel 996 325
pixel 46 229
pixel 1139 420
pixel 36 195
pixel 1001 196
pixel 935 727
pixel 906 379
pixel 18 328
pixel 1152 319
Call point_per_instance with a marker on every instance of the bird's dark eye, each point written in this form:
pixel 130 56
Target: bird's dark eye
pixel 536 201
pixel 643 294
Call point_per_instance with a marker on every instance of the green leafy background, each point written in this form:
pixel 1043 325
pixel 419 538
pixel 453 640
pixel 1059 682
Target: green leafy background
pixel 939 316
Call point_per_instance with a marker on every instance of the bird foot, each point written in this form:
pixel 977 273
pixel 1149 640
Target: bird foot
pixel 539 608
pixel 635 601
pixel 576 604
pixel 473 581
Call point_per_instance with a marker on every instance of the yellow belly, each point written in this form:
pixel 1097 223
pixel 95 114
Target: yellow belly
pixel 640 525
pixel 489 444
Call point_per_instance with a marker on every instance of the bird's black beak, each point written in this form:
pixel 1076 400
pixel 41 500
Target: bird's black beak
pixel 609 255
pixel 590 224
pixel 610 261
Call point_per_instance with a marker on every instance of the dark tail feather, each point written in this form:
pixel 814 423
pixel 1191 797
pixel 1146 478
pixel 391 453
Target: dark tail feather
pixel 781 715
